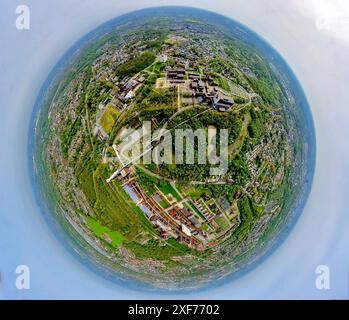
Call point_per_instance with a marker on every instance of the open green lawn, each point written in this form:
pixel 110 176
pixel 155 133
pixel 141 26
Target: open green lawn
pixel 164 204
pixel 108 119
pixel 166 188
pixel 100 230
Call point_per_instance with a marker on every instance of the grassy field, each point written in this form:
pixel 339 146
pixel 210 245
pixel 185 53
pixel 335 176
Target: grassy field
pixel 100 230
pixel 166 188
pixel 164 204
pixel 223 83
pixel 108 119
pixel 196 193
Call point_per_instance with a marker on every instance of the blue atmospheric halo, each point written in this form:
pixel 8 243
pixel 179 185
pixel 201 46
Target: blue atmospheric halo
pixel 47 197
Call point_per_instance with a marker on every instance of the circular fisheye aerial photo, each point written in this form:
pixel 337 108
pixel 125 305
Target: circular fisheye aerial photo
pixel 172 148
